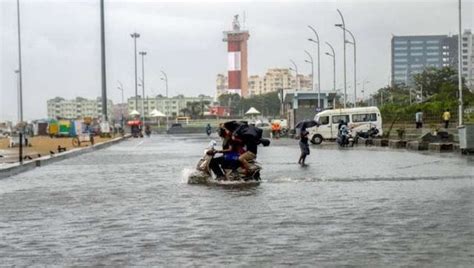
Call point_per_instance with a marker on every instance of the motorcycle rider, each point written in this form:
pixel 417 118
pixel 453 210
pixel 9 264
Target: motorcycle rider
pixel 208 129
pixel 343 133
pixel 230 157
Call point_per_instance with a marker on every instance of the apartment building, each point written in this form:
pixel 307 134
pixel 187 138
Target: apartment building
pixel 169 106
pixel 77 108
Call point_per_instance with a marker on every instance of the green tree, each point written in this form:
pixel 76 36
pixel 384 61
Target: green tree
pixel 431 80
pixel 232 101
pixel 268 104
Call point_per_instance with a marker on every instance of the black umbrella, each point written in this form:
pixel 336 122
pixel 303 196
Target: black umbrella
pixel 306 124
pixel 233 125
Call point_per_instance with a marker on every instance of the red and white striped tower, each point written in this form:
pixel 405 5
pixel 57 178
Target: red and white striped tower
pixel 237 54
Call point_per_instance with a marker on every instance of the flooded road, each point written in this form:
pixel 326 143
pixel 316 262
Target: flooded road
pixel 129 205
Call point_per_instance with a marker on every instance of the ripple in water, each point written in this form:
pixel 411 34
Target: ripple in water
pixel 129 205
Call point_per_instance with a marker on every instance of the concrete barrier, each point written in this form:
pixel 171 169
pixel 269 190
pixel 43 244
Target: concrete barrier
pixel 381 142
pixel 440 147
pixel 45 160
pixel 397 144
pixel 417 146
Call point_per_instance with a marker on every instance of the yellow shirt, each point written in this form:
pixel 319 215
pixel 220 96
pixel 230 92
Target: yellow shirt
pixel 446 116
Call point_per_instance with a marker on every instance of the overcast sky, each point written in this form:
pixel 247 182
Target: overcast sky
pixel 61 43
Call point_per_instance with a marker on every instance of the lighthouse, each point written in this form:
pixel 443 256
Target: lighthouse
pixel 237 59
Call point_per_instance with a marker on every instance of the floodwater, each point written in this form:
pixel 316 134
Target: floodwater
pixel 129 205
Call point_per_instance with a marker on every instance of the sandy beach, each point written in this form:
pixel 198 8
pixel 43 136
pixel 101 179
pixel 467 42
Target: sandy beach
pixel 40 145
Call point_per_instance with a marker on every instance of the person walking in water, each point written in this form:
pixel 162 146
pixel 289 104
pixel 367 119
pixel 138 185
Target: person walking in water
pixel 304 147
pixel 419 119
pixel 446 117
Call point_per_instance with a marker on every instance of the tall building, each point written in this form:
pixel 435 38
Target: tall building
pixel 237 59
pixel 412 54
pixel 467 58
pixel 77 108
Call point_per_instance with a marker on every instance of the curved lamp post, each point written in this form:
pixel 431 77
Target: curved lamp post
pixel 165 78
pixel 296 71
pixel 333 55
pixel 344 40
pixel 355 61
pixel 319 65
pixel 135 36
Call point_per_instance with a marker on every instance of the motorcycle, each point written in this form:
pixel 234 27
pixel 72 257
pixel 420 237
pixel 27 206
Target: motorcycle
pixel 345 138
pixel 203 175
pixel 367 136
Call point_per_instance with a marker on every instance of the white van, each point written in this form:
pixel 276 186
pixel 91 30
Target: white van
pixel 357 119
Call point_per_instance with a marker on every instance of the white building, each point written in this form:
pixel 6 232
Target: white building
pixel 77 108
pixel 222 84
pixel 467 58
pixel 273 80
pixel 169 106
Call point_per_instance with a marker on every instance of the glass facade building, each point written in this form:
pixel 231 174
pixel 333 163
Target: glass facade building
pixel 412 54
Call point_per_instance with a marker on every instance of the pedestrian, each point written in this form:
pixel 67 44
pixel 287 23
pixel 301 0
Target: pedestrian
pixel 304 147
pixel 276 128
pixel 446 117
pixel 419 118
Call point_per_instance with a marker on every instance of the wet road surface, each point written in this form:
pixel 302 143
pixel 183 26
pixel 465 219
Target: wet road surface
pixel 129 205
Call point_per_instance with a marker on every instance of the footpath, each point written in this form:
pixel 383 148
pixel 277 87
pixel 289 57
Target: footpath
pixel 7 170
pixel 424 139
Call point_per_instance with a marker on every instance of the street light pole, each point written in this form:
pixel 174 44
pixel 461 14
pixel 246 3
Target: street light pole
pixel 344 40
pixel 355 61
pixel 103 64
pixel 135 36
pixel 296 71
pixel 460 112
pixel 312 70
pixel 20 73
pixel 20 85
pixel 165 78
pixel 120 87
pixel 17 73
pixel 333 55
pixel 363 89
pixel 143 53
pixel 319 64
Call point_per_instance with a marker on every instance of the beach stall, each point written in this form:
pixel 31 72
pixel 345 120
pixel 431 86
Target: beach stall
pixel 53 128
pixel 136 129
pixel 64 127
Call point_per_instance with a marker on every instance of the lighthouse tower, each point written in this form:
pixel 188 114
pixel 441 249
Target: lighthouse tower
pixel 237 58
